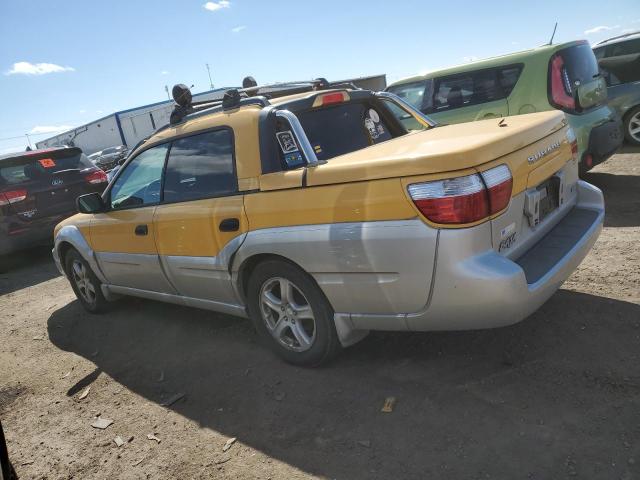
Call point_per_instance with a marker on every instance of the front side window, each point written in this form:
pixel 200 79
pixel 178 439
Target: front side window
pixel 409 122
pixel 628 47
pixel 200 166
pixel 139 182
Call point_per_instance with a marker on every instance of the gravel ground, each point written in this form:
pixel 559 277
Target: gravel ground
pixel 555 396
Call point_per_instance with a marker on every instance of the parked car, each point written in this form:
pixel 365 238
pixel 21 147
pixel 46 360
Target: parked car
pixel 110 157
pixel 94 156
pixel 38 189
pixel 326 214
pixel 563 77
pixel 619 60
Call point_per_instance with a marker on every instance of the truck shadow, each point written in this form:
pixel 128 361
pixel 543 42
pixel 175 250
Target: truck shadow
pixel 501 400
pixel 26 268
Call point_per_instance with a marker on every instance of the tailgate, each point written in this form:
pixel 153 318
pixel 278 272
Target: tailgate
pixel 545 175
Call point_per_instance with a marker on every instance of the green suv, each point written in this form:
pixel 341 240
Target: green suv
pixel 563 76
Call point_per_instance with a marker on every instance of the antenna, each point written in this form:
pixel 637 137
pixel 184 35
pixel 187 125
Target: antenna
pixel 166 89
pixel 209 72
pixel 553 34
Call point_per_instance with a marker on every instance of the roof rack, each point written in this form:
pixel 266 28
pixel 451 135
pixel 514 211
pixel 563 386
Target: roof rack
pixel 250 94
pixel 619 36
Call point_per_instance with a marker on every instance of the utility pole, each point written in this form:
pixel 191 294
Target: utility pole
pixel 209 72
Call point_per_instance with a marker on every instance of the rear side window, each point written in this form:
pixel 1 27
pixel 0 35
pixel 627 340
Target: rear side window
pixel 628 47
pixel 473 88
pixel 344 128
pixel 201 166
pixel 40 166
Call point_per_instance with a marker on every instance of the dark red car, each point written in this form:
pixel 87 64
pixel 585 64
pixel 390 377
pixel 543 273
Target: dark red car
pixel 38 189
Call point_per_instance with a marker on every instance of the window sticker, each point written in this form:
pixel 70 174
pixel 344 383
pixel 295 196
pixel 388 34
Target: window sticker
pixel 317 148
pixel 373 115
pixel 294 159
pixel 287 141
pixel 371 127
pixel 47 162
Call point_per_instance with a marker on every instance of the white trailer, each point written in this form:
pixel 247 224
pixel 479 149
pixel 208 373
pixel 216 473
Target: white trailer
pixel 126 127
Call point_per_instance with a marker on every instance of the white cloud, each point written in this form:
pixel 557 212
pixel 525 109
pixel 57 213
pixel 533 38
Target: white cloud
pixel 213 6
pixel 627 30
pixel 27 68
pixel 164 72
pixel 601 28
pixel 82 111
pixel 49 129
pixel 98 111
pixel 238 29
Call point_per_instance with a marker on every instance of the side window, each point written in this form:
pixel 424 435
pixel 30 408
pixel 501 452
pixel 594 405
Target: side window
pixel 415 93
pixel 139 182
pixel 508 77
pixel 200 166
pixel 452 92
pixel 628 47
pixel 599 52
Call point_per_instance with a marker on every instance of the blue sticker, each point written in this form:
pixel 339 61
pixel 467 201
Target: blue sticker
pixel 294 159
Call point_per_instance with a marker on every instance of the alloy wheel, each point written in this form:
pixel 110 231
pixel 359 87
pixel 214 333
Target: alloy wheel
pixel 82 280
pixel 634 127
pixel 287 314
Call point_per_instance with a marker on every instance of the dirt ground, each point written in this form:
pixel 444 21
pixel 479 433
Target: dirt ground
pixel 555 396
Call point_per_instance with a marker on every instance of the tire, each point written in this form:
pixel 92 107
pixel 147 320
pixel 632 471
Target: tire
pixel 632 121
pixel 84 282
pixel 300 327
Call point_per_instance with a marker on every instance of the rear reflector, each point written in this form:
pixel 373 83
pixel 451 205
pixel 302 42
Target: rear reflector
pixel 330 98
pixel 96 175
pixel 12 196
pixel 465 199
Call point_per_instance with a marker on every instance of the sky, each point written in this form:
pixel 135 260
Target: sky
pixel 65 63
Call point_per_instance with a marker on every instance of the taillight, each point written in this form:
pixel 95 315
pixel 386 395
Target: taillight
pixel 561 90
pixel 499 183
pixel 95 176
pixel 12 196
pixel 330 99
pixel 573 141
pixel 465 199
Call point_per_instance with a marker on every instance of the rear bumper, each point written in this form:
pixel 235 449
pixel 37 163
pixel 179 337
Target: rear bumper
pixel 482 289
pixel 31 237
pixel 604 141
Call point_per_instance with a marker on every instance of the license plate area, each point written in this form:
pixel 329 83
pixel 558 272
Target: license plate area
pixel 542 200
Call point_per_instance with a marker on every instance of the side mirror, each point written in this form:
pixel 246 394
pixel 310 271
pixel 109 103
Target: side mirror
pixel 90 203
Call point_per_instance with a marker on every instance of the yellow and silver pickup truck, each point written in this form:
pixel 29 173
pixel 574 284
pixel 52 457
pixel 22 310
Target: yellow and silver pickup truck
pixel 329 213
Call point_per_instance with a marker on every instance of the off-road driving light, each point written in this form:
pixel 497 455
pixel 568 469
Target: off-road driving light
pixel 465 199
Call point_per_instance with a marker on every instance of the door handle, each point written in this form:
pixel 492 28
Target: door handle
pixel 229 225
pixel 141 230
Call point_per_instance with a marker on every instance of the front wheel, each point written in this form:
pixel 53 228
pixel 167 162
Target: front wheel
pixel 292 314
pixel 84 282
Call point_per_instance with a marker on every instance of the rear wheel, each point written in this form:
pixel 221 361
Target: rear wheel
pixel 292 314
pixel 84 282
pixel 632 126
